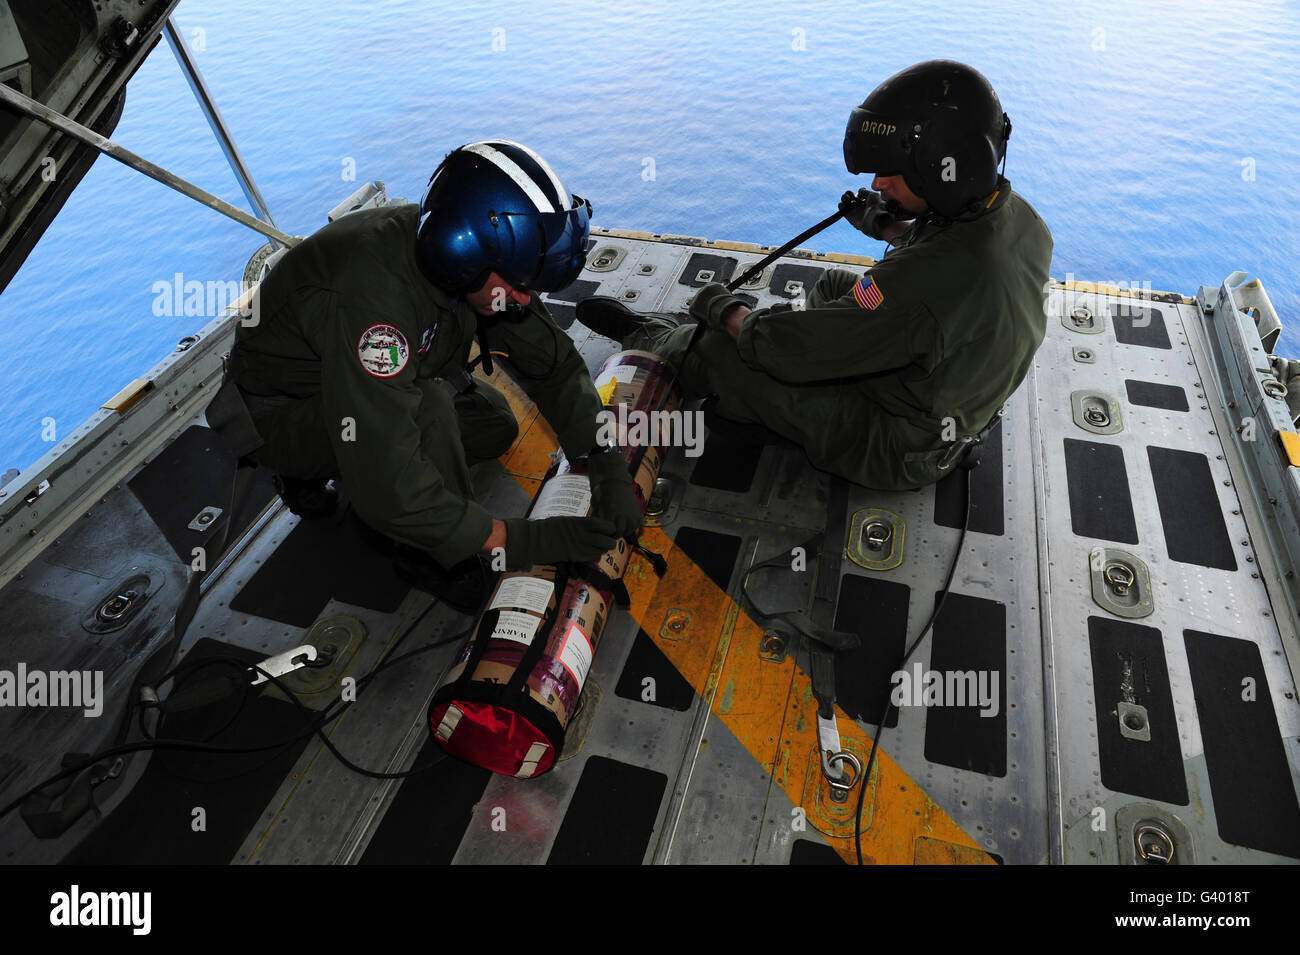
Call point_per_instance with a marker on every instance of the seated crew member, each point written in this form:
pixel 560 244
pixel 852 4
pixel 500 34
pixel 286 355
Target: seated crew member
pixel 944 326
pixel 355 367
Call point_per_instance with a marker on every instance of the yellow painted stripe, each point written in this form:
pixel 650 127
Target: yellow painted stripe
pixel 128 396
pixel 839 258
pixel 714 645
pixel 1291 446
pixel 1097 288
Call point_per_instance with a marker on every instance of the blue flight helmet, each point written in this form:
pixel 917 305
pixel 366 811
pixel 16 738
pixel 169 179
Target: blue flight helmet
pixel 497 206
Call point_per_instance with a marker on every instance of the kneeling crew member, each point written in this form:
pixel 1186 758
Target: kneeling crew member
pixel 356 367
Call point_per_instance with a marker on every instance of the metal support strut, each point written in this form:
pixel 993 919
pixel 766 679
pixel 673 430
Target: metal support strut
pixel 39 111
pixel 209 106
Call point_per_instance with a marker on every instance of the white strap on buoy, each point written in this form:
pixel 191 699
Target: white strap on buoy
pixel 532 759
pixel 449 721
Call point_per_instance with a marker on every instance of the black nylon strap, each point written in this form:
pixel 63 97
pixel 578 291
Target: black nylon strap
pixel 228 416
pixel 823 607
pixel 484 351
pixel 161 659
pixel 72 796
pixel 538 646
pixel 759 266
pixel 960 451
pixel 815 627
pixel 495 694
pixel 482 633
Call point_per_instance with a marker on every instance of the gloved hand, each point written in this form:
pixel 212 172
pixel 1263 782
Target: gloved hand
pixel 711 303
pixel 612 496
pixel 556 539
pixel 866 212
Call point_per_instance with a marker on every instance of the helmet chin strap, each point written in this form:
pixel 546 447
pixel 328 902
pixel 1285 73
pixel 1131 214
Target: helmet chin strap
pixel 1006 141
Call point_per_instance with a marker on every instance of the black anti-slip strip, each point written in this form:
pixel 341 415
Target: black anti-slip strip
pixel 722 266
pixel 1139 323
pixel 782 275
pixel 319 560
pixel 807 852
pixel 193 472
pixel 986 491
pixel 1189 509
pixel 1101 505
pixel 713 553
pixel 154 825
pixel 1128 665
pixel 611 815
pixel 728 463
pixel 1150 394
pixel 1250 779
pixel 876 610
pixel 970 639
pixel 562 304
pixel 668 688
pixel 428 817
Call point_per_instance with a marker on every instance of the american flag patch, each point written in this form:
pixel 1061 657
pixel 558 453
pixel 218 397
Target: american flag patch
pixel 867 293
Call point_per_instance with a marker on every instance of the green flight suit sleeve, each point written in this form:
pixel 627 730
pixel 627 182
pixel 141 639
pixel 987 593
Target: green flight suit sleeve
pixel 543 360
pixel 399 454
pixel 872 328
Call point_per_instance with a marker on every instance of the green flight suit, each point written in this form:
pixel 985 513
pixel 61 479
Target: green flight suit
pixel 349 369
pixel 945 325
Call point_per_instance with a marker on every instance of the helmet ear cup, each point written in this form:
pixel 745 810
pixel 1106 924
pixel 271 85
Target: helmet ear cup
pixel 954 171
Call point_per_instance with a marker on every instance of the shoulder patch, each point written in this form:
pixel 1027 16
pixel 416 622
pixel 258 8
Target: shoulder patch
pixel 383 351
pixel 867 293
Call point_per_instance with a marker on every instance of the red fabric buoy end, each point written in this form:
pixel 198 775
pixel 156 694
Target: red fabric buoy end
pixel 492 737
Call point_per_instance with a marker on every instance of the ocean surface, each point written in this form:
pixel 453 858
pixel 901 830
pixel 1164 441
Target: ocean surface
pixel 1159 141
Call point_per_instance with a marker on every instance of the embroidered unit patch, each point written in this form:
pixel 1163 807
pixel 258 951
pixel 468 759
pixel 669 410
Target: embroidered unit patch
pixel 383 351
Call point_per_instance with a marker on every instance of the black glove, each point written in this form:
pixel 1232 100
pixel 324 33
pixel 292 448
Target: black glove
pixel 711 303
pixel 556 539
pixel 612 496
pixel 867 212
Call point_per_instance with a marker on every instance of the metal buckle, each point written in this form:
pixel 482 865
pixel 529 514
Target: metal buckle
pixel 283 663
pixel 955 451
pixel 840 788
pixel 1154 845
pixel 832 753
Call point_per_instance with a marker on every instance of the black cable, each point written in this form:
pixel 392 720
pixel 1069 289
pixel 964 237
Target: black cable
pixel 875 737
pixel 319 723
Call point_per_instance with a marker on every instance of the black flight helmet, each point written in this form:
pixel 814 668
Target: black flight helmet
pixel 940 126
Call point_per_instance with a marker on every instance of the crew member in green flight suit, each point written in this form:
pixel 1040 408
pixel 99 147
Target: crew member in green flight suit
pixel 355 368
pixel 885 378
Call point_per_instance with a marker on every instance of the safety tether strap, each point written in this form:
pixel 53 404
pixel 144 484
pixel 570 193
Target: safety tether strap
pixel 758 267
pixel 966 447
pixel 822 641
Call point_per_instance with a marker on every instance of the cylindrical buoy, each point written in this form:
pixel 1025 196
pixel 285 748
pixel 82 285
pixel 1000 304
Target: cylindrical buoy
pixel 508 698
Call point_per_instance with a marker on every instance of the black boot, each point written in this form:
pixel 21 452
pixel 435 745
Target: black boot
pixel 611 318
pixel 309 498
pixel 464 586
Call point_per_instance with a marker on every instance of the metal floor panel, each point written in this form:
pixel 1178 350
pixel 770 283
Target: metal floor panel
pixel 741 783
pixel 1185 596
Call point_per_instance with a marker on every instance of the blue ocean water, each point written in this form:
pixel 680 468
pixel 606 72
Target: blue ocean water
pixel 1158 141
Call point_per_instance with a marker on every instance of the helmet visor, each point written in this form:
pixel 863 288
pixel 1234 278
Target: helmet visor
pixel 873 143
